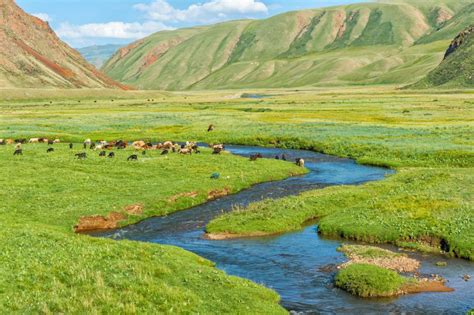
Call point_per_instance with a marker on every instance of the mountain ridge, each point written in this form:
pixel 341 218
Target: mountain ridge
pixel 368 43
pixel 31 55
pixel 457 67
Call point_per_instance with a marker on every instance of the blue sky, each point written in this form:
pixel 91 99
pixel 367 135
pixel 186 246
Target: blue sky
pixel 89 22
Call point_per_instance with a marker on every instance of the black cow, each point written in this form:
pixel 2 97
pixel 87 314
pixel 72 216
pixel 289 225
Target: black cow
pixel 71 146
pixel 133 157
pixel 50 150
pixel 165 152
pixel 81 156
pixel 111 155
pixel 255 157
pixel 103 153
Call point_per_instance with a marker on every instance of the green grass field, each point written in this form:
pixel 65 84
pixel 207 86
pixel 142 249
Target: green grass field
pixel 48 269
pixel 426 136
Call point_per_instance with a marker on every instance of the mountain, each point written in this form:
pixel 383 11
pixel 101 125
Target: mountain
pixel 385 42
pixel 97 55
pixel 32 56
pixel 457 68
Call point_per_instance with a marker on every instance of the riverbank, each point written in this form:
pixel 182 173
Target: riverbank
pixel 417 208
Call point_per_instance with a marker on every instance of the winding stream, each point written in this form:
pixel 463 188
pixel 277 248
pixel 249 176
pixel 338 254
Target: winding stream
pixel 290 264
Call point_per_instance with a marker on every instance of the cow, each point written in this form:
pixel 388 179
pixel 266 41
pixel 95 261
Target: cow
pixel 71 146
pixel 2 142
pixel 111 155
pixel 81 156
pixel 185 151
pixel 300 162
pixel 10 141
pixel 22 141
pixel 56 141
pixel 255 157
pixel 165 152
pixel 50 150
pixel 34 140
pixel 217 148
pixel 133 157
pixel 18 152
pixel 120 144
pixel 168 145
pixel 139 145
pixel 103 153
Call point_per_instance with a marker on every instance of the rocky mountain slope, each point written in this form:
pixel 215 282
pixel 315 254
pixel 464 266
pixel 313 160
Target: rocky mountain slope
pixel 457 68
pixel 385 42
pixel 31 55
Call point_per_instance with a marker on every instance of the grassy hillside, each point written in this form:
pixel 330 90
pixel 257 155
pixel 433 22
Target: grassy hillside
pixel 369 43
pixel 457 69
pixel 98 55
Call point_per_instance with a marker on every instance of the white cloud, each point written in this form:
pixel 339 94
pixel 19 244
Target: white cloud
pixel 45 17
pixel 211 11
pixel 117 30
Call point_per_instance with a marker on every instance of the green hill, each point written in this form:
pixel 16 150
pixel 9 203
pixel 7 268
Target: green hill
pixel 457 68
pixel 389 42
pixel 97 55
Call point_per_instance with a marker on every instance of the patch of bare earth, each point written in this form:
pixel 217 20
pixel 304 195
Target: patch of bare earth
pixel 99 222
pixel 109 222
pixel 218 193
pixel 426 285
pixel 175 198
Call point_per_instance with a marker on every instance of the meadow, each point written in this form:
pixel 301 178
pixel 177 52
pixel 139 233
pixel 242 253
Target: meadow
pixel 426 136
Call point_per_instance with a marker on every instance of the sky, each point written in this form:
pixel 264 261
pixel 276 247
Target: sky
pixel 83 23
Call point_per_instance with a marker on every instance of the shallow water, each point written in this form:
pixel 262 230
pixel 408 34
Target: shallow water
pixel 290 263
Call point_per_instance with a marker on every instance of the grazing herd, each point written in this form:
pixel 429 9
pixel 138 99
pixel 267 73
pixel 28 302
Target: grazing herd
pixel 166 148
